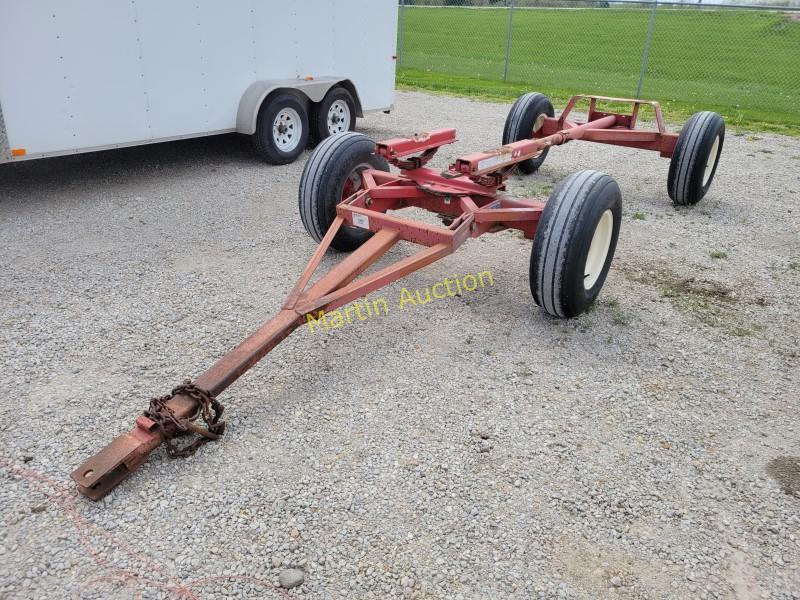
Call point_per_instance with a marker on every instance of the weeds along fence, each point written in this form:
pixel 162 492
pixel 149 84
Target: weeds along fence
pixel 742 61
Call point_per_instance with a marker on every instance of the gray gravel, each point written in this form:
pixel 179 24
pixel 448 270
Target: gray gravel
pixel 471 448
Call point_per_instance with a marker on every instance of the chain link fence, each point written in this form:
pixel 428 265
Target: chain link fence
pixel 743 62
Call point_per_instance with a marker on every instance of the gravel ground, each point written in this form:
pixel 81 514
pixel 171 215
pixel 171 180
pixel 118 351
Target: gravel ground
pixel 470 448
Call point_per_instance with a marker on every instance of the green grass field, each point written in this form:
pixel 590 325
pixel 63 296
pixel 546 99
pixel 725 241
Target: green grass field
pixel 743 64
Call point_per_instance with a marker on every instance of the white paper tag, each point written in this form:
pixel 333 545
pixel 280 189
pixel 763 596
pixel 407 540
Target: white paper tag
pixel 360 220
pixel 490 162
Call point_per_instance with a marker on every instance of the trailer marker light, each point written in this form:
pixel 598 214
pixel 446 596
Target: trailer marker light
pixel 308 78
pixel 18 152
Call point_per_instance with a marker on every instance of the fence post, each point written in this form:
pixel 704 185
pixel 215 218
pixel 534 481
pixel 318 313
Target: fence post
pixel 646 52
pixel 508 37
pixel 400 33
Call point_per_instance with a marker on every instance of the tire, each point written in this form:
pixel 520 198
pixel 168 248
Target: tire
pixel 336 113
pixel 281 129
pixel 523 121
pixel 585 205
pixel 324 183
pixel 695 159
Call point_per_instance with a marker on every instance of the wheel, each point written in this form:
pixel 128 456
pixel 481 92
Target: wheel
pixel 281 130
pixel 336 113
pixel 695 159
pixel 526 118
pixel 333 173
pixel 575 243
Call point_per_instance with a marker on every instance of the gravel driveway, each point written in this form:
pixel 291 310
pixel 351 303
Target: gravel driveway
pixel 469 448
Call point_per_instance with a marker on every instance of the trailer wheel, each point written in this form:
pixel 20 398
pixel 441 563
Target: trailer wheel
pixel 333 173
pixel 695 159
pixel 281 129
pixel 575 243
pixel 336 113
pixel 526 118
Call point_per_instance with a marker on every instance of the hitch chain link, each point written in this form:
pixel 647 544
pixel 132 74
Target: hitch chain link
pixel 163 416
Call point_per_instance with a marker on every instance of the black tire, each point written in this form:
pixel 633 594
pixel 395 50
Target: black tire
pixel 688 181
pixel 265 142
pixel 335 161
pixel 561 249
pixel 521 121
pixel 345 119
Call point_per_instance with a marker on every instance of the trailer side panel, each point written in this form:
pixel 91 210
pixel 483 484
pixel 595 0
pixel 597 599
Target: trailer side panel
pixel 66 84
pixel 93 74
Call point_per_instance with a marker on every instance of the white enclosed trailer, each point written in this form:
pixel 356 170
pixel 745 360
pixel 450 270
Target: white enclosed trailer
pixel 85 75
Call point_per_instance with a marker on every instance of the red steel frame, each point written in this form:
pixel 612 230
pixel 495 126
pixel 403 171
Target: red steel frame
pixel 465 195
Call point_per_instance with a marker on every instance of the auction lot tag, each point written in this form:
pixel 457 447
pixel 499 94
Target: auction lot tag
pixel 361 221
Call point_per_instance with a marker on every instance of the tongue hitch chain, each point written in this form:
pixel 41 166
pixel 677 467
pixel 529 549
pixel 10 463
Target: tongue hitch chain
pixel 170 427
pixel 350 200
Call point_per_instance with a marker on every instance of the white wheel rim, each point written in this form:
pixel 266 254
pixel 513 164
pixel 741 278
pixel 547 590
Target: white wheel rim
pixel 598 250
pixel 712 158
pixel 537 125
pixel 287 129
pixel 338 117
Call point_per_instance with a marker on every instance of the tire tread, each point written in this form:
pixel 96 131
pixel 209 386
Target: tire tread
pixel 559 231
pixel 321 170
pixel 556 245
pixel 312 175
pixel 512 130
pixel 684 183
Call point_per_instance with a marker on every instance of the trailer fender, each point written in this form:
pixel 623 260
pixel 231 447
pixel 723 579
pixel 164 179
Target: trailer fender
pixel 313 90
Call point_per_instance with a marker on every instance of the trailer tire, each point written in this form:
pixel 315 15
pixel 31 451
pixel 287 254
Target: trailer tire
pixel 575 242
pixel 525 119
pixel 335 113
pixel 330 175
pixel 695 158
pixel 281 129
